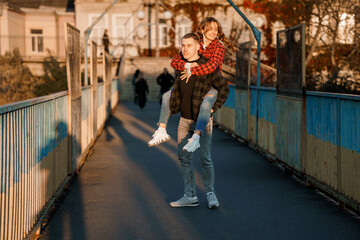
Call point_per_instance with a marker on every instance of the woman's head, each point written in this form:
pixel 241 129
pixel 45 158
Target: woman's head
pixel 210 29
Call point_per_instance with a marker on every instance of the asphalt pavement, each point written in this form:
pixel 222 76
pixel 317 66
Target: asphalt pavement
pixel 124 189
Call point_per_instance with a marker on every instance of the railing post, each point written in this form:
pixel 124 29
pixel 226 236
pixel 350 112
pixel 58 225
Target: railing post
pixel 73 60
pixel 94 88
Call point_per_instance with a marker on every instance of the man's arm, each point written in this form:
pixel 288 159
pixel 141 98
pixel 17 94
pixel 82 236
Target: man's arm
pixel 178 63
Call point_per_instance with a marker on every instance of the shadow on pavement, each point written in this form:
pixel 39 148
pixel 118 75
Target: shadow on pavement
pixel 124 189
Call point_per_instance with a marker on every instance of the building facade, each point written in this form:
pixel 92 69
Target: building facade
pixel 35 27
pixel 156 25
pixel 145 27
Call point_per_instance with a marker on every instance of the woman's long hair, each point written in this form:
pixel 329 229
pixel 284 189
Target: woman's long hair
pixel 221 36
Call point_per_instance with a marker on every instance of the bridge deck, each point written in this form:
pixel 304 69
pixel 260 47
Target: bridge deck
pixel 124 189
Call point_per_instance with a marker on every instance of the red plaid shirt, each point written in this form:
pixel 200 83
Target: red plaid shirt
pixel 202 85
pixel 215 52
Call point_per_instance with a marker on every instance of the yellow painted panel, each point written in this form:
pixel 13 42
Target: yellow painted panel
pixel 350 174
pixel 114 99
pixel 321 161
pixel 2 214
pixel 228 118
pixel 252 129
pixel 101 116
pixel 267 136
pixel 217 116
pixel 85 126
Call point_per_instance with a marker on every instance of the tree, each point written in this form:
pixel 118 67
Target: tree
pixel 332 29
pixel 54 78
pixel 16 81
pixel 334 51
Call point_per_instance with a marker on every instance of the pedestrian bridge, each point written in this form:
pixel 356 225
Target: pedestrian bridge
pixel 75 164
pixel 100 180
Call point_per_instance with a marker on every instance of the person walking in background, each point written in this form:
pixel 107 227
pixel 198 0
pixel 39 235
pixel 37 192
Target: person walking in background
pixel 106 41
pixel 141 89
pixel 133 81
pixel 165 80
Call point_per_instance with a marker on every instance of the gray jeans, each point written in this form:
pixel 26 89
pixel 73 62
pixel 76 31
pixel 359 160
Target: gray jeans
pixel 185 131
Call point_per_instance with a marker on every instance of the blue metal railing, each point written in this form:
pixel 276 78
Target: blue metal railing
pixel 35 160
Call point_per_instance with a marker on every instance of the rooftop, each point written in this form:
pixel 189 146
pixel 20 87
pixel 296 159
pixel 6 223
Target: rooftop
pixel 36 4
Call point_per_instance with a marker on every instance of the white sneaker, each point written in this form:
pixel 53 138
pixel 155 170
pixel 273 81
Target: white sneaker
pixel 192 145
pixel 186 202
pixel 213 202
pixel 158 138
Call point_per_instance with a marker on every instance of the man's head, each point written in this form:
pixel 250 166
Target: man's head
pixel 190 46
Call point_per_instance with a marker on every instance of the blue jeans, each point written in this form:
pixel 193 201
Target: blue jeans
pixel 204 113
pixel 185 131
pixel 165 108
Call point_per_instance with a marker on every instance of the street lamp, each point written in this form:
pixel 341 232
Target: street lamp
pixel 140 15
pixel 136 28
pixel 166 15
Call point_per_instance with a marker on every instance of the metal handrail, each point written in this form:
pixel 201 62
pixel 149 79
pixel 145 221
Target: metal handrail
pixel 257 35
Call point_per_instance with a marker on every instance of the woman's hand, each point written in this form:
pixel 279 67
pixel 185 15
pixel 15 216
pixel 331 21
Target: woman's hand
pixel 194 64
pixel 184 76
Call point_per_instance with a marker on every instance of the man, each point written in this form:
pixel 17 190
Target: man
pixel 186 98
pixel 165 80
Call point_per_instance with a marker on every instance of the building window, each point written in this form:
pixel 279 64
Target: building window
pixel 164 40
pixel 37 40
pixel 122 27
pixel 183 26
pixel 99 28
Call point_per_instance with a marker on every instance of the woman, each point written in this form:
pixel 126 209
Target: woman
pixel 210 33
